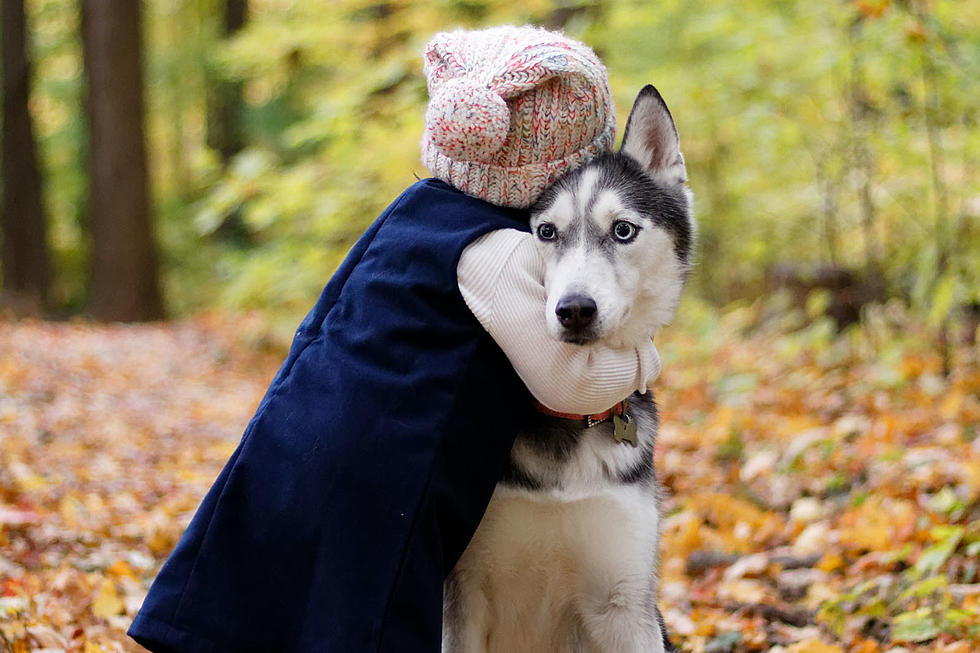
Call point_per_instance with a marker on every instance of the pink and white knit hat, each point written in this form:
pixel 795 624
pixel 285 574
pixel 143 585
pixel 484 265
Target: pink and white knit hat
pixel 511 109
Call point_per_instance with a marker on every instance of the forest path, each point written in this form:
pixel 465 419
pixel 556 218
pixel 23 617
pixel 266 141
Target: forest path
pixel 798 466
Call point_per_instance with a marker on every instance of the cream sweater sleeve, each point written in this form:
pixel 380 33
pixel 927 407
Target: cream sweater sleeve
pixel 501 278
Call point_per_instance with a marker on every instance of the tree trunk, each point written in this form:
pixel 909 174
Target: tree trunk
pixel 125 286
pixel 861 110
pixel 225 133
pixel 24 251
pixel 944 234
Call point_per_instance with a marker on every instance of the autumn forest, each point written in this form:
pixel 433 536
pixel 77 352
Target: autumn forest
pixel 180 178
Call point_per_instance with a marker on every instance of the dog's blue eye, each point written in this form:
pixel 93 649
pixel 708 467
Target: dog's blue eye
pixel 546 231
pixel 624 231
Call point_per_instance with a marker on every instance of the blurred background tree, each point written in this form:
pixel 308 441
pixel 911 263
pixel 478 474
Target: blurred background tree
pixel 124 283
pixel 832 147
pixel 22 224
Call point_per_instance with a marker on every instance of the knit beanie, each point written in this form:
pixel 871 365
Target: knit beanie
pixel 511 109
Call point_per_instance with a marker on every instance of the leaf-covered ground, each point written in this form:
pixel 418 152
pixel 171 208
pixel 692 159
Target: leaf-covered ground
pixel 822 492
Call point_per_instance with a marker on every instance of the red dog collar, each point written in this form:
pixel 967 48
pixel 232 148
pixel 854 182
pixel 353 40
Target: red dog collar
pixel 590 420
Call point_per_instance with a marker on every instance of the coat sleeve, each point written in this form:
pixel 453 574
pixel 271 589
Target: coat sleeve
pixel 501 277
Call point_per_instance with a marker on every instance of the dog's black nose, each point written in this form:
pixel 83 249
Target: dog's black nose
pixel 575 311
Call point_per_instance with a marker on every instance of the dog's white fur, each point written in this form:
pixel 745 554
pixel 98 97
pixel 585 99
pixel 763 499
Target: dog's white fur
pixel 571 567
pixel 584 558
pixel 636 294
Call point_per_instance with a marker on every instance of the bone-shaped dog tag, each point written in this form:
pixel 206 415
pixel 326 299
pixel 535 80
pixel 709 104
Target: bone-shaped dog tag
pixel 624 429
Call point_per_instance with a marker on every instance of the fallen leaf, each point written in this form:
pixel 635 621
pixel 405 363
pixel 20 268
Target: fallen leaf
pixel 107 603
pixel 813 646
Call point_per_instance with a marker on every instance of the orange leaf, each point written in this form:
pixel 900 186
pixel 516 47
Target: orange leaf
pixel 830 562
pixel 813 646
pixel 121 568
pixel 865 646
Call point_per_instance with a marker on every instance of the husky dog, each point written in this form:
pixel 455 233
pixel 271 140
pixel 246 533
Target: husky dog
pixel 565 558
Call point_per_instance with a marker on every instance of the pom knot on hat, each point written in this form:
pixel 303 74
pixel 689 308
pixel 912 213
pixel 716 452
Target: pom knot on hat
pixel 467 121
pixel 511 109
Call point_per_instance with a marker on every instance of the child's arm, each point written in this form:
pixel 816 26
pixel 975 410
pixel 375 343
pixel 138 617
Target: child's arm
pixel 500 276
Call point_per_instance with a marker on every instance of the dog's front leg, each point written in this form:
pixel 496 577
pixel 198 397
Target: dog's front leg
pixel 622 620
pixel 617 588
pixel 465 615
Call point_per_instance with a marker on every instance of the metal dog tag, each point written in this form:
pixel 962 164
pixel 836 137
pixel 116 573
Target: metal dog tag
pixel 624 429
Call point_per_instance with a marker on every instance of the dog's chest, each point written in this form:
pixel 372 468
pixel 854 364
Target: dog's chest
pixel 537 560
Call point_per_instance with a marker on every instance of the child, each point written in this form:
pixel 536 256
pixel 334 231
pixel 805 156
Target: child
pixel 372 457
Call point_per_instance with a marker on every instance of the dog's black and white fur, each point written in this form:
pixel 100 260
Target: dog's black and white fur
pixel 565 559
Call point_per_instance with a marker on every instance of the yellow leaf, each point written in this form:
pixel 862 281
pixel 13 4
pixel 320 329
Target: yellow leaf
pixel 813 646
pixel 121 568
pixel 159 541
pixel 745 591
pixel 107 603
pixel 875 522
pixel 14 630
pixel 830 562
pixel 72 511
pixel 950 407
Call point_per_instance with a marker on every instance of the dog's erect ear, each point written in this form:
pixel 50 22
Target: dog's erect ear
pixel 651 138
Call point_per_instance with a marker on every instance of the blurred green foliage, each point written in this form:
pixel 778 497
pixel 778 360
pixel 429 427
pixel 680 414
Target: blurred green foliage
pixel 842 132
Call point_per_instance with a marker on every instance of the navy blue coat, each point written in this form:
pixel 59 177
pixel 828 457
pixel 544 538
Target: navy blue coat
pixel 369 462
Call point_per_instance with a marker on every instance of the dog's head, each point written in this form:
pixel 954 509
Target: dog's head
pixel 616 235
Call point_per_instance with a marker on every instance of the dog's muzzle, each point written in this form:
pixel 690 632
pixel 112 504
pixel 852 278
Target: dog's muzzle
pixel 576 312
